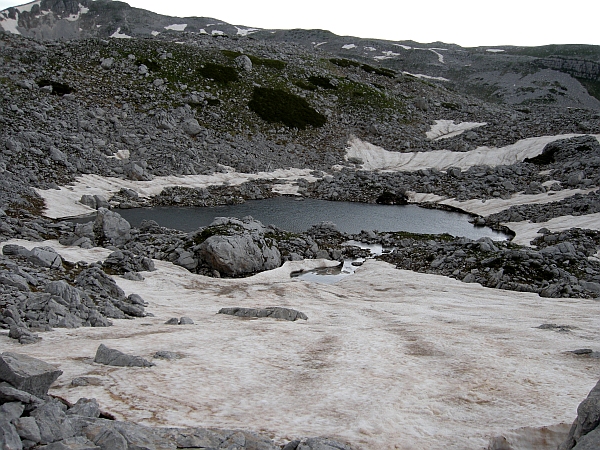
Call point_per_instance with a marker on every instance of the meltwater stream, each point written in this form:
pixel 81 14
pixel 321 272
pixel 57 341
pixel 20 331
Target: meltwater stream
pixel 297 216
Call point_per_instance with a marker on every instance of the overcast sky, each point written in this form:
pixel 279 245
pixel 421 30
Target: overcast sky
pixel 463 22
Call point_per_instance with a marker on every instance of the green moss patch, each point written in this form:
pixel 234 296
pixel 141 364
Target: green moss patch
pixel 276 105
pixel 219 73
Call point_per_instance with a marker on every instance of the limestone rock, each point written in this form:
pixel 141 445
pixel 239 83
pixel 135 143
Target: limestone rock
pixel 112 357
pixel 588 420
pixel 111 227
pixel 27 374
pixel 272 312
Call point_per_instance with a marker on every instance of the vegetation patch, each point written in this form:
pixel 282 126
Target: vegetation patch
pixel 57 88
pixel 592 86
pixel 342 62
pixel 219 73
pixel 322 82
pixel 302 84
pixel 276 105
pixel 379 71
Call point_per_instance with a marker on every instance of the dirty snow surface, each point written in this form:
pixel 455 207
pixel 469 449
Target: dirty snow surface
pixel 388 359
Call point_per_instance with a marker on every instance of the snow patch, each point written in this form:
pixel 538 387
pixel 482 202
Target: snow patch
pixel 384 353
pixel 121 154
pixel 386 55
pixel 65 202
pixel 494 50
pixel 202 31
pixel 177 27
pixel 370 49
pixel 377 158
pixel 426 77
pixel 444 129
pixel 218 33
pixel 439 55
pixel 315 44
pixel 10 25
pixel 246 31
pixel 155 33
pixel 27 7
pixel 118 35
pixel 405 47
pixel 348 46
pixel 527 231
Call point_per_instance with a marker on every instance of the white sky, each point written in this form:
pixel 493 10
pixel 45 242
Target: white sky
pixel 464 22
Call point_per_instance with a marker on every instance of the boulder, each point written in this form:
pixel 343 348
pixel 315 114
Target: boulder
pixel 587 421
pixel 243 62
pixel 111 227
pixel 45 257
pixel 239 254
pixel 112 357
pixel 272 312
pixel 9 438
pixel 52 422
pixel 191 127
pixel 73 443
pixel 85 407
pixel 27 374
pixel 28 429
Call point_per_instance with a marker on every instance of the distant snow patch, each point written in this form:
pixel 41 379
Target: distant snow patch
pixel 405 47
pixel 370 49
pixel 439 55
pixel 318 44
pixel 118 35
pixel 377 158
pixel 177 27
pixel 494 50
pixel 202 31
pixel 246 31
pixel 348 46
pixel 217 33
pixel 10 25
pixel 427 77
pixel 444 129
pixel 155 33
pixel 28 6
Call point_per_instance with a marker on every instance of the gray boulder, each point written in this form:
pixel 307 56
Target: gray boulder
pixel 9 438
pixel 243 62
pixel 52 422
pixel 272 312
pixel 9 393
pixel 186 321
pixel 191 127
pixel 15 250
pixel 23 335
pixel 11 410
pixel 111 227
pixel 45 257
pixel 588 420
pixel 73 443
pixel 112 357
pixel 85 407
pixel 88 200
pixel 239 254
pixel 28 429
pixel 27 374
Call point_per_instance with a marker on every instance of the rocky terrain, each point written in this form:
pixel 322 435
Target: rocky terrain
pixel 134 99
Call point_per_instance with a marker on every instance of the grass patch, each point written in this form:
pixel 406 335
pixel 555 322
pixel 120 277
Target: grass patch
pixel 322 82
pixel 379 71
pixel 342 62
pixel 219 73
pixel 276 105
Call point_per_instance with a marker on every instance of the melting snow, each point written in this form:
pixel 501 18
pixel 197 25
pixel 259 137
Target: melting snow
pixel 439 55
pixel 494 50
pixel 371 49
pixel 177 27
pixel 118 35
pixel 318 44
pixel 65 202
pixel 387 359
pixel 217 33
pixel 444 129
pixel 527 231
pixel 246 31
pixel 348 46
pixel 427 77
pixel 10 25
pixel 377 158
pixel 405 47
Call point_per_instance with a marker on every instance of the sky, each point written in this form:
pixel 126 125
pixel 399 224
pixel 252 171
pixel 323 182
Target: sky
pixel 464 22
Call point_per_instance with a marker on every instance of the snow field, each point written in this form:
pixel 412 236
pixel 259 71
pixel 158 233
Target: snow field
pixel 389 359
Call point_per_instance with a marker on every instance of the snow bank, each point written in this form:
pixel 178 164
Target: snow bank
pixel 177 27
pixel 388 359
pixel 348 46
pixel 444 129
pixel 246 31
pixel 64 202
pixel 494 50
pixel 118 35
pixel 527 231
pixel 426 77
pixel 377 158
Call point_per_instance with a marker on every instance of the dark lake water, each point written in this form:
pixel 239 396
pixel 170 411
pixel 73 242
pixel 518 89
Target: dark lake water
pixel 297 216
